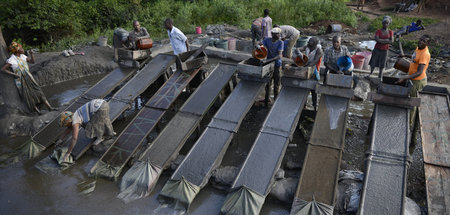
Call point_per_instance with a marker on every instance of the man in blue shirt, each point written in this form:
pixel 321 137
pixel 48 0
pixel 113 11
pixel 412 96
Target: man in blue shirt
pixel 275 49
pixel 415 26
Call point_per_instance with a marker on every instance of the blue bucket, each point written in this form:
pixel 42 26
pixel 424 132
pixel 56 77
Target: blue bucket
pixel 344 63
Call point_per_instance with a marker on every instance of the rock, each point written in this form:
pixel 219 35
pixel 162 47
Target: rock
pixel 362 88
pixel 412 208
pixel 292 165
pixel 284 190
pixel 279 175
pixel 224 175
pixel 447 65
pixel 175 163
pixel 46 121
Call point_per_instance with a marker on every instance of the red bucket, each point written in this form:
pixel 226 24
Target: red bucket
pixel 367 55
pixel 198 30
pixel 358 61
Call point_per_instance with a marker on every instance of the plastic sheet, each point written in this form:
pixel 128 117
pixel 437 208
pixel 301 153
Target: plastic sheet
pixel 137 181
pixel 301 207
pixel 180 193
pixel 243 201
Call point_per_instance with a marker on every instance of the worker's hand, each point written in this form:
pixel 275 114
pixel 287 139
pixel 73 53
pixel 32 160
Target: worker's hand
pixel 401 80
pixel 339 72
pixel 297 52
pixel 258 47
pixel 58 142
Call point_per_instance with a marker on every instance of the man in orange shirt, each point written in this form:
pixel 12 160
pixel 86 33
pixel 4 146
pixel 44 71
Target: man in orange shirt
pixel 417 74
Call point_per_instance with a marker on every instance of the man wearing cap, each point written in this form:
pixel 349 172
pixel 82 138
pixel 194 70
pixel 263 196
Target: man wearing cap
pixel 274 51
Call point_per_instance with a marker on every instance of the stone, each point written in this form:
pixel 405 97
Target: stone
pixel 447 65
pixel 362 88
pixel 279 175
pixel 284 190
pixel 292 165
pixel 224 175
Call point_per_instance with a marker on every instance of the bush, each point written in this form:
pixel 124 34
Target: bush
pixel 398 22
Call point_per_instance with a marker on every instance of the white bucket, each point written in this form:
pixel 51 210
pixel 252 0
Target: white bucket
pixel 102 41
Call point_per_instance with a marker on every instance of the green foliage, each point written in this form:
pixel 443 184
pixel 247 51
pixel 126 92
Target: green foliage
pixel 410 45
pixel 53 23
pixel 399 21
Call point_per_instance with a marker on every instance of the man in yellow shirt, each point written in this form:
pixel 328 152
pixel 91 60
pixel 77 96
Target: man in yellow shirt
pixel 417 74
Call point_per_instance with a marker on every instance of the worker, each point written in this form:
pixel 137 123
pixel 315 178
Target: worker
pixel 383 37
pixel 256 30
pixel 332 54
pixel 274 50
pixel 93 117
pixel 137 33
pixel 28 88
pixel 414 26
pixel 178 40
pixel 266 25
pixel 314 52
pixel 417 73
pixel 290 34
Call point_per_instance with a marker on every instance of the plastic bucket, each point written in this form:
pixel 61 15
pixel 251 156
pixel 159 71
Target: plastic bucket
pixel 358 61
pixel 402 65
pixel 102 41
pixel 222 44
pixel 260 54
pixel 367 55
pixel 302 41
pixel 232 44
pixel 198 30
pixel 344 63
pixel 334 28
pixel 301 60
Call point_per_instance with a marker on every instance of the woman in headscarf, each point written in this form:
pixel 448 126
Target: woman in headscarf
pixel 28 88
pixel 384 37
pixel 93 117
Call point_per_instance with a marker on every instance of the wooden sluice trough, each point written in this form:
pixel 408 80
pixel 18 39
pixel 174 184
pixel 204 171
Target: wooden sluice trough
pixel 264 159
pixel 387 159
pixel 319 177
pixel 207 153
pixel 170 140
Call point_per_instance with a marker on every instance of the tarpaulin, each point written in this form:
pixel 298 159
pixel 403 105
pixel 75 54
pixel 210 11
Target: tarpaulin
pixel 244 201
pixel 136 183
pixel 180 193
pixel 301 207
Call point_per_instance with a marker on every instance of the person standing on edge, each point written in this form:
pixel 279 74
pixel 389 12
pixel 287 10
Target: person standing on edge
pixel 274 50
pixel 291 34
pixel 256 30
pixel 178 40
pixel 384 37
pixel 266 25
pixel 29 89
pixel 138 33
pixel 417 73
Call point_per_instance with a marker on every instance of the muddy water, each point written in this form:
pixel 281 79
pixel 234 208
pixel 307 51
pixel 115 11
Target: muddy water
pixel 25 190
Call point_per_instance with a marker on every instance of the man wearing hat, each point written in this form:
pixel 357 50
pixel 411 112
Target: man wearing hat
pixel 93 117
pixel 274 51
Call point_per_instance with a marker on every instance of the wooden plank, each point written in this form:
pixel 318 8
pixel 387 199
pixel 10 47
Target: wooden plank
pixel 334 91
pixel 434 115
pixel 393 101
pixel 339 80
pixel 297 72
pixel 438 189
pixel 52 130
pixel 144 122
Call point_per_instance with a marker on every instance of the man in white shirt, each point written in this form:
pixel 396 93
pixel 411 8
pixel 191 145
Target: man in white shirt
pixel 178 40
pixel 266 25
